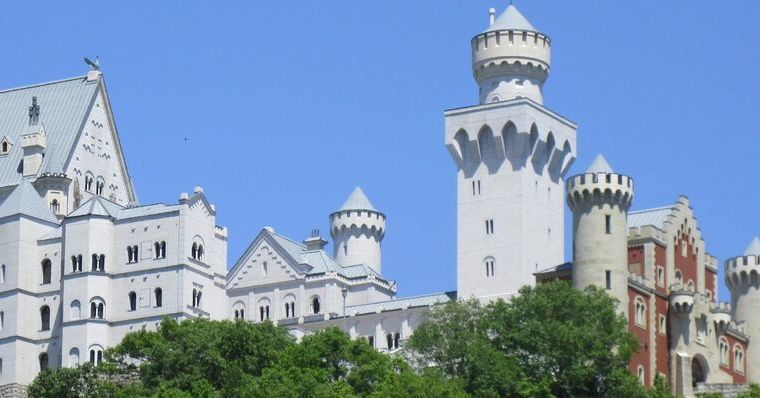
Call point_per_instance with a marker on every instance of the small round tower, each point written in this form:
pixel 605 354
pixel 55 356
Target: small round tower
pixel 357 230
pixel 743 280
pixel 510 59
pixel 600 199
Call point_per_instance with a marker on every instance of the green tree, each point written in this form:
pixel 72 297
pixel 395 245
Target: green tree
pixel 551 340
pixel 84 381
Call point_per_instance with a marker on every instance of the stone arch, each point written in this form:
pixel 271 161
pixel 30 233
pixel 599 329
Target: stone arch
pixel 489 150
pixel 699 370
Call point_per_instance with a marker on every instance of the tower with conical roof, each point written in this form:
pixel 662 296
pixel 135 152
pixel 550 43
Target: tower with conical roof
pixel 743 280
pixel 600 199
pixel 357 230
pixel 511 154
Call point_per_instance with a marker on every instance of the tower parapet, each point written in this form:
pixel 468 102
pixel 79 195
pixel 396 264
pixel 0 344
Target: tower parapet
pixel 357 229
pixel 510 59
pixel 743 280
pixel 600 199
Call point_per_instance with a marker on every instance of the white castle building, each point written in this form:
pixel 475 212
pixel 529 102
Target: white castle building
pixel 82 264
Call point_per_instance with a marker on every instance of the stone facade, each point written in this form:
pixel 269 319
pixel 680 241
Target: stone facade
pixel 82 263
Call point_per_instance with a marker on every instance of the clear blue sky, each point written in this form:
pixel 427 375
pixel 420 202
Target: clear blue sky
pixel 286 106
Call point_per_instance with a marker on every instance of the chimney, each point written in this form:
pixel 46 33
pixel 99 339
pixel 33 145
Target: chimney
pixel 491 16
pixel 314 242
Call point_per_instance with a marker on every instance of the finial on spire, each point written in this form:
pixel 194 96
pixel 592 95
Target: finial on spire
pixel 94 65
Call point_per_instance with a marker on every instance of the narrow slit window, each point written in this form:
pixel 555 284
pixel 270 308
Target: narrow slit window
pixel 608 279
pixel 607 224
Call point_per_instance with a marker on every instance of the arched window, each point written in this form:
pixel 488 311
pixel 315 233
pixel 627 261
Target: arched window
pixel 315 305
pixel 738 359
pixel 490 262
pixel 197 298
pixel 159 295
pixel 102 262
pixel 641 374
pixel 389 340
pixel 397 340
pixel 45 318
pixel 157 250
pixel 73 357
pixel 723 348
pixel 130 255
pixel 2 320
pixel 55 207
pixel 76 262
pixel 2 273
pixel 194 251
pixel 264 268
pixel 96 355
pixel 47 269
pixel 88 182
pixel 132 301
pixel 200 253
pixel 162 246
pixel 264 312
pixel 97 309
pixel 239 310
pixel 5 146
pixel 640 314
pixel 43 358
pixel 100 184
pixel 290 306
pixel 74 310
pixel 679 276
pixel 94 263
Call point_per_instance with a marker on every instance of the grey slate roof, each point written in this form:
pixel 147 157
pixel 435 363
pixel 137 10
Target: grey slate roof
pixel 754 247
pixel 357 201
pixel 564 267
pixel 511 19
pixel 99 206
pixel 24 199
pixel 319 260
pixel 397 304
pixel 599 165
pixel 63 107
pixel 55 234
pixel 655 217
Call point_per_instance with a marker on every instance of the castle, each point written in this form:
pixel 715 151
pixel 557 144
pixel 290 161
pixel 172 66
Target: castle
pixel 82 263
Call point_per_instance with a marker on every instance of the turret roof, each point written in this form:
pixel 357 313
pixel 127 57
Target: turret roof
pixel 599 165
pixel 357 201
pixel 511 19
pixel 24 199
pixel 754 247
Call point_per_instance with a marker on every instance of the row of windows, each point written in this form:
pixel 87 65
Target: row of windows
pixel 738 355
pixel 99 184
pixel 392 340
pixel 97 263
pixel 158 296
pixel 264 311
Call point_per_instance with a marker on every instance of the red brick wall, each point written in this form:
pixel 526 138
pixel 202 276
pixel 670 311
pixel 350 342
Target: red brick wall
pixel 636 255
pixel 660 259
pixel 661 337
pixel 738 377
pixel 710 282
pixel 641 357
pixel 686 264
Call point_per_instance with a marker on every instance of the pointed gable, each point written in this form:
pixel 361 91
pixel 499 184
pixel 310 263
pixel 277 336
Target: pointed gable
pixel 357 201
pixel 25 200
pixel 271 258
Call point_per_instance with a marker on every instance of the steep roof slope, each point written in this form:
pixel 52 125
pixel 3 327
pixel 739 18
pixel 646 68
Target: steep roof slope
pixel 27 201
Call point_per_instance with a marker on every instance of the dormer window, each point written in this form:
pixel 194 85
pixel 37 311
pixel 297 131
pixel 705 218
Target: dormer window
pixel 5 146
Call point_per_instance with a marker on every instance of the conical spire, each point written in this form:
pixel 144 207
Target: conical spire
pixel 511 19
pixel 599 165
pixel 754 247
pixel 357 201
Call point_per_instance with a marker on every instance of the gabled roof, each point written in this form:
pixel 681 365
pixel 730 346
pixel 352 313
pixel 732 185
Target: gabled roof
pixel 655 217
pixel 24 199
pixel 357 201
pixel 599 165
pixel 511 19
pixel 100 206
pixel 63 107
pixel 754 247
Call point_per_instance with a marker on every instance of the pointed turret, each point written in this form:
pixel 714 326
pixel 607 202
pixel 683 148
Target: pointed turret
pixel 510 59
pixel 599 165
pixel 753 249
pixel 357 229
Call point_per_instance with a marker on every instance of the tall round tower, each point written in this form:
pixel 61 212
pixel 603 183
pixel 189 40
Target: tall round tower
pixel 743 280
pixel 357 230
pixel 600 199
pixel 510 59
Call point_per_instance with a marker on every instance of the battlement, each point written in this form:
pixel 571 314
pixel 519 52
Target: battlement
pixel 519 51
pixel 34 139
pixel 682 300
pixel 597 188
pixel 741 270
pixel 645 232
pixel 364 220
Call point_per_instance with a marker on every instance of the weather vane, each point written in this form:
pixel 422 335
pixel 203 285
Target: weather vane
pixel 95 65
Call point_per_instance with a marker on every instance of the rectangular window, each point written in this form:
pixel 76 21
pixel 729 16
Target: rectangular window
pixel 607 224
pixel 662 324
pixel 475 187
pixel 608 279
pixel 489 227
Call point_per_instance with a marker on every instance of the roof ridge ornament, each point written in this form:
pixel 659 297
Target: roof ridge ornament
pixel 34 112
